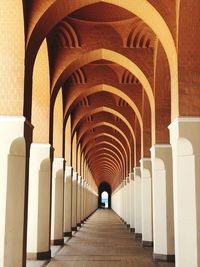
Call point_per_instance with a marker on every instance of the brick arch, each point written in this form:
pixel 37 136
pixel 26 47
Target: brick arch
pixel 107 145
pixel 118 59
pixel 145 11
pixel 122 137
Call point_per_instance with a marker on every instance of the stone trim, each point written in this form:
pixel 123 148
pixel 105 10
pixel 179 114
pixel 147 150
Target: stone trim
pixel 147 243
pixel 68 234
pixel 46 255
pixel 57 242
pixel 164 258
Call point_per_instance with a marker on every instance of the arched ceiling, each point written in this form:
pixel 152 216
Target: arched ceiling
pixel 102 56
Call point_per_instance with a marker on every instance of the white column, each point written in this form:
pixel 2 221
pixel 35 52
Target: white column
pixel 39 202
pixel 74 201
pixel 57 218
pixel 82 201
pixel 128 202
pixel 146 191
pixel 117 200
pixel 89 201
pixel 13 189
pixel 79 201
pixel 68 201
pixel 124 202
pixel 137 203
pixel 132 213
pixel 85 200
pixel 163 217
pixel 185 141
pixel 121 201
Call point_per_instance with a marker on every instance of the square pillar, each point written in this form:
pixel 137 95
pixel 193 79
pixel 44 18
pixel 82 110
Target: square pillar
pixel 185 141
pixel 137 203
pixel 131 200
pixel 146 195
pixel 79 201
pixel 68 201
pixel 57 217
pixel 39 202
pixel 128 196
pixel 15 141
pixel 163 213
pixel 82 200
pixel 74 201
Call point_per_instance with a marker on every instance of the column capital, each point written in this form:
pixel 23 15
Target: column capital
pixel 40 145
pixel 68 167
pixel 183 120
pixel 79 179
pixel 160 146
pixel 59 159
pixel 137 172
pixel 144 160
pixel 184 134
pixel 75 176
pixel 146 167
pixel 161 155
pixel 131 176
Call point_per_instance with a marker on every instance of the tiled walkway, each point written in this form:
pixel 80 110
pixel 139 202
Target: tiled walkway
pixel 104 242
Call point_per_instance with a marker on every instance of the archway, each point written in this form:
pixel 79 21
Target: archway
pixel 105 187
pixel 104 199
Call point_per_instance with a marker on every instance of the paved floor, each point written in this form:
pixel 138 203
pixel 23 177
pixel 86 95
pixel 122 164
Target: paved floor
pixel 54 251
pixel 104 242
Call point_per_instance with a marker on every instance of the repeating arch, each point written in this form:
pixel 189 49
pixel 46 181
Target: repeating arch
pixel 115 57
pixel 145 11
pixel 112 126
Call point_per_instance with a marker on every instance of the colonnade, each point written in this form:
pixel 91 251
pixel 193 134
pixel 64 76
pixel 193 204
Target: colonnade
pixel 162 206
pixel 82 101
pixel 59 199
pixel 57 206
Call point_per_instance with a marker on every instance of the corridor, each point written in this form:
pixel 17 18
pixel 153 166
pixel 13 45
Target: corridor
pixel 99 107
pixel 104 241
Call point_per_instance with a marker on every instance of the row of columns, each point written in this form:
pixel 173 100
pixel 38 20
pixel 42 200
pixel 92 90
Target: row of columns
pixel 41 199
pixel 170 179
pixel 56 207
pixel 144 201
pixel 163 193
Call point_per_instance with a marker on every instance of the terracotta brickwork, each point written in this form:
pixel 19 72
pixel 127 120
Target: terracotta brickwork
pixel 58 126
pixel 12 55
pixel 41 96
pixel 121 71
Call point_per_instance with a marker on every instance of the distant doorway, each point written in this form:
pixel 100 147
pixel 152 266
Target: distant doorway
pixel 105 195
pixel 104 200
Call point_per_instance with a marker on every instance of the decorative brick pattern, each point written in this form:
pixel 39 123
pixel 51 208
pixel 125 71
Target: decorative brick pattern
pixel 12 54
pixel 41 96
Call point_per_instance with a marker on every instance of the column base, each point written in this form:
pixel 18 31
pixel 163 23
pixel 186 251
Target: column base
pixel 57 242
pixel 132 230
pixel 147 243
pixel 39 255
pixel 68 234
pixel 138 236
pixel 74 228
pixel 164 258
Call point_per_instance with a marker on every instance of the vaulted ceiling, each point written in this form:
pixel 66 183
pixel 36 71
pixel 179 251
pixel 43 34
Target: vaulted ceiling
pixel 104 58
